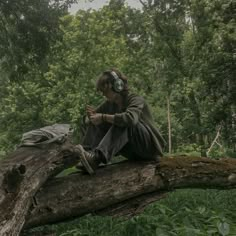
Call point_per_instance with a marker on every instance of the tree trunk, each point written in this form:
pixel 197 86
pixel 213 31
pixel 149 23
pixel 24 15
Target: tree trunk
pixel 21 175
pixel 120 189
pixel 124 188
pixel 198 117
pixel 169 124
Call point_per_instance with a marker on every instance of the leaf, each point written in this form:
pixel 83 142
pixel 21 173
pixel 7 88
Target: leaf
pixel 202 210
pixel 223 228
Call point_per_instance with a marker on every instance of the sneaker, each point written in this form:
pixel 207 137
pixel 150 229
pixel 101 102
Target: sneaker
pixel 87 159
pixel 80 167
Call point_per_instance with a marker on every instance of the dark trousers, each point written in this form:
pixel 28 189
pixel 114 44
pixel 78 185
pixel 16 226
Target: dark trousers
pixel 133 142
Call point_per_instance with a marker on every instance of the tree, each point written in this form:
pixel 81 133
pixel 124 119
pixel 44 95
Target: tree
pixel 188 42
pixel 175 51
pixel 27 31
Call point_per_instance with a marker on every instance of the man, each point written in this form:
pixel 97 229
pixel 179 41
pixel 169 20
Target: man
pixel 122 124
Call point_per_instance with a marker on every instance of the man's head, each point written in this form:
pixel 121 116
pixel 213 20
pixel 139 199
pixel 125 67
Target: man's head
pixel 112 83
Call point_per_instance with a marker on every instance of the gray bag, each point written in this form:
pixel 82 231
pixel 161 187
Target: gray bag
pixel 55 133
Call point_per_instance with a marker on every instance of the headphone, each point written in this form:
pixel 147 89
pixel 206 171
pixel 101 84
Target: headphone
pixel 117 82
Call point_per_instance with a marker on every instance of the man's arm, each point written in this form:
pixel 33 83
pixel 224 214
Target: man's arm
pixel 108 118
pixel 127 118
pixel 132 113
pixel 99 118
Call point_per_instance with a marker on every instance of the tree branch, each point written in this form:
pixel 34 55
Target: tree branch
pixel 214 141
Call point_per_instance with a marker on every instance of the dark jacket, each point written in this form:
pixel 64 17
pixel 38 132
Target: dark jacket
pixel 134 110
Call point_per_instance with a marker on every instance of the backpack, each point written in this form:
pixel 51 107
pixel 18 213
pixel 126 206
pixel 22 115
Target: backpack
pixel 58 133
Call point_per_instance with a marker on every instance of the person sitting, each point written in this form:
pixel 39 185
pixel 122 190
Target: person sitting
pixel 121 125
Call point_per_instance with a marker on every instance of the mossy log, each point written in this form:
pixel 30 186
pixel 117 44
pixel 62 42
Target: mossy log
pixel 29 195
pixel 124 188
pixel 22 173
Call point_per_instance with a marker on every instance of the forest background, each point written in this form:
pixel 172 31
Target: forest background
pixel 179 54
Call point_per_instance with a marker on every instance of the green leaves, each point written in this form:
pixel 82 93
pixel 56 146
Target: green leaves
pixel 224 228
pixel 181 213
pixel 27 31
pixel 183 50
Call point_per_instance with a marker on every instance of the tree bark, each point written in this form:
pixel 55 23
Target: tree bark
pixel 120 189
pixel 124 188
pixel 21 174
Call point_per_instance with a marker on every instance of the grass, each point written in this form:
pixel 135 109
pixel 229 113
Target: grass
pixel 184 213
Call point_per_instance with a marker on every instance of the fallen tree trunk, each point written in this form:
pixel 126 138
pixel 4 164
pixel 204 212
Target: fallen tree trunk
pixel 21 174
pixel 128 185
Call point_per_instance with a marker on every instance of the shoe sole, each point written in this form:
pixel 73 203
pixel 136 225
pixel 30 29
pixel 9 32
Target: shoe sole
pixel 84 161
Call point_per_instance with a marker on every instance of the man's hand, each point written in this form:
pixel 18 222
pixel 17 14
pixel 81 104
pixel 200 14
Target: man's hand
pixel 96 118
pixel 90 111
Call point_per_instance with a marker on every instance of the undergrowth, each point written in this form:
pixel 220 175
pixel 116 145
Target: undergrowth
pixel 183 213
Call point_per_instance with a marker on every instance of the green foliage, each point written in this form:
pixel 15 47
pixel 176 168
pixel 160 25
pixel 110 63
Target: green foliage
pixel 218 152
pixel 182 213
pixel 67 171
pixel 183 51
pixel 25 38
pixel 27 31
pixel 189 150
